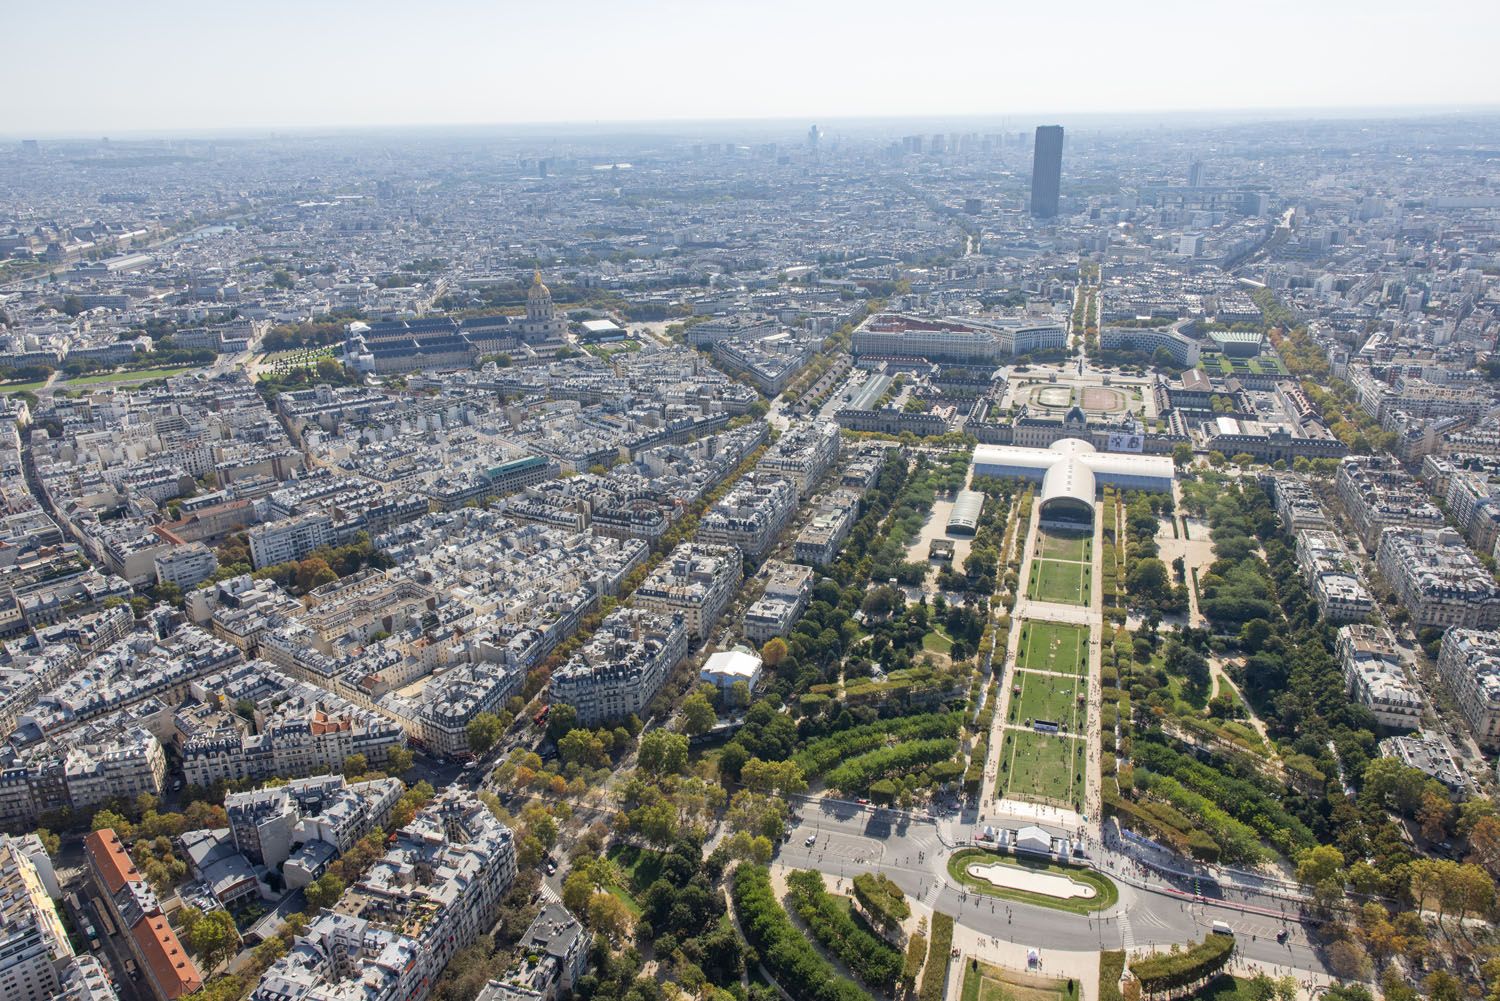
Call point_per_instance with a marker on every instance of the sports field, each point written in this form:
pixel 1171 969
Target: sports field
pixel 1043 766
pixel 1046 697
pixel 1063 583
pixel 1053 646
pixel 1052 544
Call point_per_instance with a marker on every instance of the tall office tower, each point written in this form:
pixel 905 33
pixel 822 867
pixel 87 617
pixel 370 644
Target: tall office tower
pixel 1046 170
pixel 813 135
pixel 1195 174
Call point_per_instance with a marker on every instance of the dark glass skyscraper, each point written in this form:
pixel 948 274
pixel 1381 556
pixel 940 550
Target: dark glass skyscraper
pixel 1046 170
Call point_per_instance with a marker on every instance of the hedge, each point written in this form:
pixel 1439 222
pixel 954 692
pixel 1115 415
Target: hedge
pixel 916 955
pixel 1111 967
pixel 856 774
pixel 1167 971
pixel 935 979
pixel 881 898
pixel 825 752
pixel 871 958
pixel 783 950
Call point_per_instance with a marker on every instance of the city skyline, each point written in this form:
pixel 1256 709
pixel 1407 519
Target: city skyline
pixel 463 65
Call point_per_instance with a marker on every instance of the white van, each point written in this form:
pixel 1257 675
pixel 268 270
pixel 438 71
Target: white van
pixel 1220 928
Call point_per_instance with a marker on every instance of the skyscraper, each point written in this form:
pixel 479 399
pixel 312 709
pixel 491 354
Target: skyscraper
pixel 1046 170
pixel 1195 174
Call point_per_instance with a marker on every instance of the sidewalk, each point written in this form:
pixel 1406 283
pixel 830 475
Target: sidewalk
pixel 1081 966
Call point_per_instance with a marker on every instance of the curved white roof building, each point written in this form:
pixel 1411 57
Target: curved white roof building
pixel 1070 471
pixel 966 511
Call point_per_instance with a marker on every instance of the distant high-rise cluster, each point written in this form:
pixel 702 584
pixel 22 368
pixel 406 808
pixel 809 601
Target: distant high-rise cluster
pixel 1046 171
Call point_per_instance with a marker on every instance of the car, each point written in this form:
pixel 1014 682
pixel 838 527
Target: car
pixel 551 868
pixel 1283 935
pixel 808 843
pixel 862 801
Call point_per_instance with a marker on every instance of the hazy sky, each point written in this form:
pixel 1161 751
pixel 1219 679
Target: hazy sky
pixel 92 68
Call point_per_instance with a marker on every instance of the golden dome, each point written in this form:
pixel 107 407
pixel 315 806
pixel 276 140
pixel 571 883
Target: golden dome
pixel 536 282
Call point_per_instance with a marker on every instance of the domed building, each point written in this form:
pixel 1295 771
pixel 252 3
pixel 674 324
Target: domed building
pixel 542 322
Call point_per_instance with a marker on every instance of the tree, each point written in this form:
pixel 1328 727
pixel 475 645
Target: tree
pixel 1348 959
pixel 314 572
pixel 1320 864
pixel 1182 454
pixel 355 765
pixel 50 842
pixel 324 891
pixel 698 716
pixel 561 718
pixel 608 916
pixel 1433 815
pixel 1254 633
pixel 577 889
pixel 483 730
pixel 214 938
pixel 773 652
pixel 110 820
pixel 663 752
pixel 582 747
pixel 739 694
pixel 399 761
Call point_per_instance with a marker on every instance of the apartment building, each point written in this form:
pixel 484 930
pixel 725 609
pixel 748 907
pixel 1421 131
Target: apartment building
pixel 751 516
pixel 437 889
pixel 1469 664
pixel 272 826
pixel 788 588
pixel 1378 494
pixel 1332 576
pixel 1473 500
pixel 1438 579
pixel 623 665
pixel 165 966
pixel 35 954
pixel 1298 505
pixel 290 538
pixel 1376 678
pixel 186 566
pixel 120 769
pixel 820 540
pixel 1147 341
pixel 696 581
pixel 553 955
pixel 802 454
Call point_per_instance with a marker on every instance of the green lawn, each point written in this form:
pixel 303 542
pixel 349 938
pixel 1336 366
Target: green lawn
pixel 1040 766
pixel 131 375
pixel 1048 697
pixel 1053 544
pixel 22 387
pixel 936 642
pixel 1106 894
pixel 1054 646
pixel 983 982
pixel 1063 583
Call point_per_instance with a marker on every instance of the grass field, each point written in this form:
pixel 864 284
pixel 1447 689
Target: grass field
pixel 1054 646
pixel 988 983
pixel 936 642
pixel 22 387
pixel 1060 582
pixel 1048 697
pixel 1106 894
pixel 133 375
pixel 1040 766
pixel 1055 545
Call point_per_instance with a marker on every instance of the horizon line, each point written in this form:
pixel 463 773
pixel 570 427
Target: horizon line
pixel 601 126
